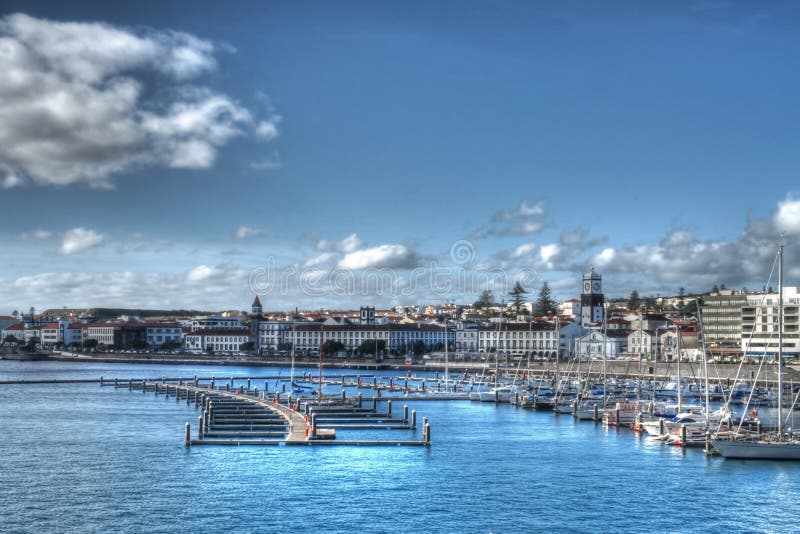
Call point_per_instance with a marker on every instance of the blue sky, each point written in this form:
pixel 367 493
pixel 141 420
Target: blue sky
pixel 159 153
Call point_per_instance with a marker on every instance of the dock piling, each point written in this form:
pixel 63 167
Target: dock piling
pixel 187 435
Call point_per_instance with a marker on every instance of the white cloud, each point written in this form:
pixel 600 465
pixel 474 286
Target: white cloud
pixel 347 245
pixel 80 240
pixel 75 106
pixel 246 232
pixel 548 251
pixel 787 216
pixel 384 256
pixel 37 234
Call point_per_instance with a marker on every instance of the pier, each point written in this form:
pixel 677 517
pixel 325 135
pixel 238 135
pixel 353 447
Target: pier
pixel 237 415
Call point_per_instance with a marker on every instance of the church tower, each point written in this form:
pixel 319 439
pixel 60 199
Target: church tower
pixel 592 299
pixel 256 318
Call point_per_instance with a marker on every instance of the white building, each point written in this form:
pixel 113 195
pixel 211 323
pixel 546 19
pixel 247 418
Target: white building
pixel 216 341
pixel 271 334
pixel 596 345
pixel 215 322
pixel 570 308
pixel 529 339
pixel 760 324
pixel 15 330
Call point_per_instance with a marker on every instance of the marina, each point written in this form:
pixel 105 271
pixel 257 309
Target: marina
pixel 55 429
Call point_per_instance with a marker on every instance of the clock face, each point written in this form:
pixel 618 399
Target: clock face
pixel 596 286
pixel 586 286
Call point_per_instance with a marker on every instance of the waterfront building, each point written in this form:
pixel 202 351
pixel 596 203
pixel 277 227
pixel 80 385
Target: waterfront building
pixel 597 345
pixel 759 335
pixel 592 310
pixel 73 334
pixel 467 336
pixel 669 343
pixel 271 334
pixel 158 334
pixel 399 338
pixel 16 331
pixel 215 322
pixel 217 341
pixel 644 344
pixel 538 339
pixel 722 318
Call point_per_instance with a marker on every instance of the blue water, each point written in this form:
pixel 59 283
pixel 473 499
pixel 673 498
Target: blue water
pixel 81 458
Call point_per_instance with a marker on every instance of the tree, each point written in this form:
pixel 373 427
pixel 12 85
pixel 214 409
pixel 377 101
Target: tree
pixel 722 287
pixel 634 301
pixel 418 348
pixel 681 295
pixel 485 300
pixel 138 344
pixel 715 289
pixel 544 303
pixel 332 347
pixel 371 346
pixel 32 343
pixel 11 340
pixel 286 345
pixel 171 344
pixel 90 343
pixel 246 346
pixel 517 293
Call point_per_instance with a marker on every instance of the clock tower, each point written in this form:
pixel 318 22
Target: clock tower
pixel 591 299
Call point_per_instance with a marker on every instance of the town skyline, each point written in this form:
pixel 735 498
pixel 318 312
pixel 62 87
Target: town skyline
pixel 160 158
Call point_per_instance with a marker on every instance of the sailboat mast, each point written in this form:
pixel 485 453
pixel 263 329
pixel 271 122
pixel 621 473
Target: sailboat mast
pixel 780 340
pixel 680 379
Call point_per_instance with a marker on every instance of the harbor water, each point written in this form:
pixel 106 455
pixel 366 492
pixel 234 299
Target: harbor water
pixel 83 458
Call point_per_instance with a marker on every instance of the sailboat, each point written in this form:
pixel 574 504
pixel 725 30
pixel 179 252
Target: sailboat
pixel 778 445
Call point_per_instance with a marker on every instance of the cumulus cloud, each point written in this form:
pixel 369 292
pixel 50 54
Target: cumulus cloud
pixel 246 232
pixel 527 219
pixel 347 245
pixel 75 105
pixel 383 256
pixel 80 240
pixel 787 216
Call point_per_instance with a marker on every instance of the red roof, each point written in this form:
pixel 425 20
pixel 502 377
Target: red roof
pixel 51 326
pixel 18 326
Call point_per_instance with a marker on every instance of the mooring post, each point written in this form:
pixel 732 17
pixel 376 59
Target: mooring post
pixel 344 394
pixel 130 384
pixel 405 386
pixel 596 412
pixel 289 400
pixel 195 380
pixel 496 396
pixel 427 434
pixel 231 382
pixel 661 427
pixel 360 399
pixel 313 425
pixel 374 404
pixel 155 388
pixel 683 434
pixel 248 383
pixel 115 383
pixel 144 385
pixel 101 380
pixel 413 419
pixel 389 408
pixel 405 413
pixel 188 435
pixel 199 427
pixel 375 382
pixel 616 417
